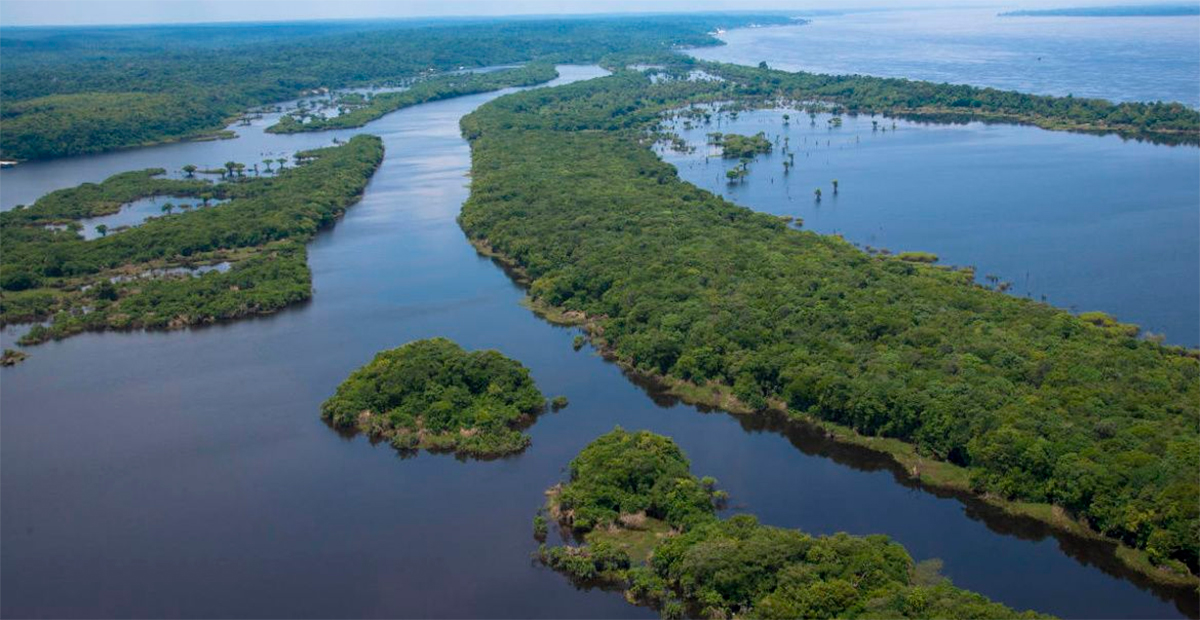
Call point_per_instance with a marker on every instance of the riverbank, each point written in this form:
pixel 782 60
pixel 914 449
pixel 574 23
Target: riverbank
pixel 930 473
pixel 632 495
pixel 436 88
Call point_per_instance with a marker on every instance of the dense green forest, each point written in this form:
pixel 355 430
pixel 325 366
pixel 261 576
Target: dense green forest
pixel 734 308
pixel 69 91
pixel 130 279
pixel 432 89
pixel 859 94
pixel 432 394
pixel 649 526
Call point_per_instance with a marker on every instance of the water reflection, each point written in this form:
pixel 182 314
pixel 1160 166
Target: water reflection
pixel 189 474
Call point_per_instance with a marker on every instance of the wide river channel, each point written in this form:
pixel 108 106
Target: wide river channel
pixel 188 473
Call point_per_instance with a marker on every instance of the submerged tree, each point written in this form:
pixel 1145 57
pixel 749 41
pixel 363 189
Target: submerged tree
pixel 190 170
pixel 102 230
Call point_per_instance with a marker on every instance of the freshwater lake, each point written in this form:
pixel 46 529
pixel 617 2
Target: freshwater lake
pixel 188 473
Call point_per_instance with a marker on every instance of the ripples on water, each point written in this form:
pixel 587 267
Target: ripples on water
pixel 188 473
pixel 1116 58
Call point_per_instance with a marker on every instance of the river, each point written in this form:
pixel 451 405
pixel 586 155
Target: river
pixel 188 473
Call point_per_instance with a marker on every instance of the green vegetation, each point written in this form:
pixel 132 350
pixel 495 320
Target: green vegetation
pixel 859 94
pixel 735 146
pixel 433 89
pixel 140 277
pixel 918 257
pixel 734 308
pixel 650 527
pixel 432 394
pixel 117 87
pixel 12 357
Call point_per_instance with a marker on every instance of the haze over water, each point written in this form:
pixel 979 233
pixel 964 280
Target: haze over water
pixel 1115 58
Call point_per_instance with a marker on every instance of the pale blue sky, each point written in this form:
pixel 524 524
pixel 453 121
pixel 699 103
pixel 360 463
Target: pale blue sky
pixel 78 12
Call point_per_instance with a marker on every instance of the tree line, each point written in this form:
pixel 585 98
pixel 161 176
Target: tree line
pixel 649 526
pixel 72 91
pixel 1033 403
pixel 115 281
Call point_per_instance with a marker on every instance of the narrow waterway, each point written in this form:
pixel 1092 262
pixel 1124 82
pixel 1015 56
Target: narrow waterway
pixel 188 473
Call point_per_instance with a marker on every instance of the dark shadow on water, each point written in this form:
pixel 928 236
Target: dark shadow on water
pixel 814 441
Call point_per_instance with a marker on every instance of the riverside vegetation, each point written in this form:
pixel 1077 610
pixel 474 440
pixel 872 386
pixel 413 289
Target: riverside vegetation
pixel 433 89
pixel 649 527
pixel 123 87
pixel 118 87
pixel 48 272
pixel 432 394
pixel 1025 404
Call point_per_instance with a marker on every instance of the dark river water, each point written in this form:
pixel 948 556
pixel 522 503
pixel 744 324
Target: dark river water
pixel 188 473
pixel 1115 58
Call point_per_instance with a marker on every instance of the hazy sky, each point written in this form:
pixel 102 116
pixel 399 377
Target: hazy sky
pixel 75 12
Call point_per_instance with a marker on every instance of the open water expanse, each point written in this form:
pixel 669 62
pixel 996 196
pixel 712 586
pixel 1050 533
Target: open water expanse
pixel 1115 58
pixel 188 473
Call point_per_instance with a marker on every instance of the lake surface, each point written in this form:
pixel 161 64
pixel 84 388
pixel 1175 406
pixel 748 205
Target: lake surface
pixel 188 473
pixel 1115 58
pixel 1088 222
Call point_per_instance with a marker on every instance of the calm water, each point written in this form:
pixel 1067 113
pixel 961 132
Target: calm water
pixel 1091 223
pixel 188 473
pixel 1116 58
pixel 137 212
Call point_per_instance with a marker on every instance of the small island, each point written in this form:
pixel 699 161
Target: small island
pixel 737 146
pixel 649 527
pixel 434 395
pixel 12 357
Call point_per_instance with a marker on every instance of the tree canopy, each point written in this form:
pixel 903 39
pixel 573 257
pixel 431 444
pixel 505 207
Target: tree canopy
pixel 142 277
pixel 1035 403
pixel 432 394
pixel 649 526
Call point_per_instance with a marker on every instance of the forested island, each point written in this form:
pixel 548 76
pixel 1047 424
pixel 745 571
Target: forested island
pixel 432 89
pixel 119 87
pixel 648 526
pixel 1073 420
pixel 433 395
pixel 48 272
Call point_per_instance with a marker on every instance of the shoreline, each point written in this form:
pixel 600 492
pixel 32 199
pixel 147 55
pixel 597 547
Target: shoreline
pixel 927 474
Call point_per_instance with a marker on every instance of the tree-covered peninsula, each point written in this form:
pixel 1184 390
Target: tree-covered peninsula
pixel 146 276
pixel 433 395
pixel 433 89
pixel 647 525
pixel 1171 123
pixel 1071 419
